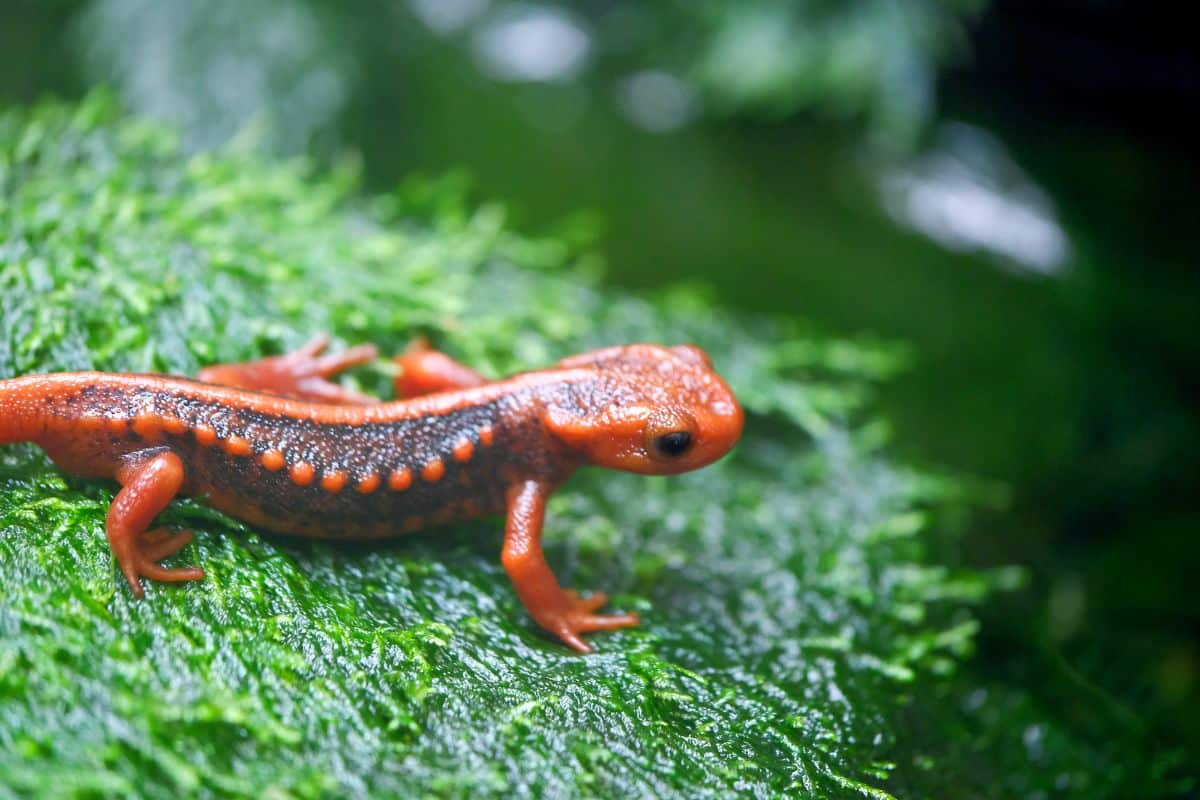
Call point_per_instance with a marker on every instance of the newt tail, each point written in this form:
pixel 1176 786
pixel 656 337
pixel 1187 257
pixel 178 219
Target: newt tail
pixel 275 443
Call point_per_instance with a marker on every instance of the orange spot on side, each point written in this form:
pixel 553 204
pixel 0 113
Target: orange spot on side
pixel 237 446
pixel 302 473
pixel 147 425
pixel 205 435
pixel 413 524
pixel 434 470
pixel 464 450
pixel 486 436
pixel 400 479
pixel 333 481
pixel 368 484
pixel 173 425
pixel 272 460
pixel 117 424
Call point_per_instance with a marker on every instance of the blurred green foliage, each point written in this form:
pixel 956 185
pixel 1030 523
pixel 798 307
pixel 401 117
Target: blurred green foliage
pixel 869 60
pixel 297 66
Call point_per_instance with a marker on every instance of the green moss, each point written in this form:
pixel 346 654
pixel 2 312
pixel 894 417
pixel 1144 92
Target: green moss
pixel 790 608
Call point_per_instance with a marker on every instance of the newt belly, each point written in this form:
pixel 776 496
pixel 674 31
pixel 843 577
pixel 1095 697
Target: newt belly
pixel 281 447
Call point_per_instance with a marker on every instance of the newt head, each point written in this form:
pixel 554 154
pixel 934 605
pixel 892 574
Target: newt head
pixel 645 408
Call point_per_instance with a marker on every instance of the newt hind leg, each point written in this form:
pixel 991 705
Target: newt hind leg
pixel 146 490
pixel 303 373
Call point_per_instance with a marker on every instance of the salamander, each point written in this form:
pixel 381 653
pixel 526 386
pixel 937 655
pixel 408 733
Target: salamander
pixel 276 443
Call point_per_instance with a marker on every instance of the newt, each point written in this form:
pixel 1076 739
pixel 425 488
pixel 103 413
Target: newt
pixel 278 444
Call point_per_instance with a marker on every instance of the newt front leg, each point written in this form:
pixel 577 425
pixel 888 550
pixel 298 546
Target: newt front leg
pixel 305 373
pixel 560 611
pixel 424 370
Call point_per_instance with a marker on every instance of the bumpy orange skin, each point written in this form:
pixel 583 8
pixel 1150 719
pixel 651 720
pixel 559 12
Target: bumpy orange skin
pixel 275 443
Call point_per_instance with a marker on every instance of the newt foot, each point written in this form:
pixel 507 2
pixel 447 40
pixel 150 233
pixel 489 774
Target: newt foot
pixel 153 546
pixel 575 616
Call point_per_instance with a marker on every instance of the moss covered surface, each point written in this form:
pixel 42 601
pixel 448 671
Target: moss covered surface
pixel 790 608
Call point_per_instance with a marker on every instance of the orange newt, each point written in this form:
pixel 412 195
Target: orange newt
pixel 275 443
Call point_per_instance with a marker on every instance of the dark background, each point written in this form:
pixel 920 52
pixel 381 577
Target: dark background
pixel 1074 392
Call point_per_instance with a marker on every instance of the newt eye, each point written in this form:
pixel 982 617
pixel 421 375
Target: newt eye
pixel 669 433
pixel 673 444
